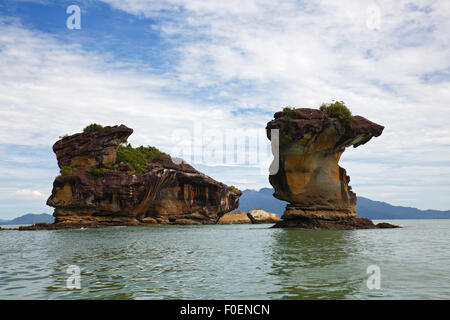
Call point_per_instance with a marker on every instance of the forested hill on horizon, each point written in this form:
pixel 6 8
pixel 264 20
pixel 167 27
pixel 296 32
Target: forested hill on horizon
pixel 29 218
pixel 252 199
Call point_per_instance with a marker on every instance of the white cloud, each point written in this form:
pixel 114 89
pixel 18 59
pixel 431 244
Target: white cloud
pixel 25 194
pixel 49 89
pixel 254 54
pixel 305 53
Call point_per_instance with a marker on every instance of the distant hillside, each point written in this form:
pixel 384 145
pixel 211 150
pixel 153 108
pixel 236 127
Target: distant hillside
pixel 30 219
pixel 252 199
pixel 382 210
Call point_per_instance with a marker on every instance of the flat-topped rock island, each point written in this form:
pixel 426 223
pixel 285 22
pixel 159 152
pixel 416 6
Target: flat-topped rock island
pixel 106 182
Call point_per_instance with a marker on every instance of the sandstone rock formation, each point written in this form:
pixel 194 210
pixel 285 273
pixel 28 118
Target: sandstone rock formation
pixel 96 191
pixel 91 148
pixel 257 216
pixel 309 177
pixel 234 217
pixel 261 216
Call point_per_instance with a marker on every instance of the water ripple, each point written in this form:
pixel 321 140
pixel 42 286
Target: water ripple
pixel 227 262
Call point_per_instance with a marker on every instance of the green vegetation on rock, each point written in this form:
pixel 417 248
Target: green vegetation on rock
pixel 137 158
pixel 96 171
pixel 337 109
pixel 289 113
pixel 93 127
pixel 236 190
pixel 66 170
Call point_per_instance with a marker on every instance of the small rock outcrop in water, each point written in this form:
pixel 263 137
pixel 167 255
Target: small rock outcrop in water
pixel 261 216
pixel 95 190
pixel 234 217
pixel 251 217
pixel 309 177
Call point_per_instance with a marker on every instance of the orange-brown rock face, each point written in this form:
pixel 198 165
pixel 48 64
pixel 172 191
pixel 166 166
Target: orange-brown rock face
pixel 309 177
pixel 91 148
pixel 167 193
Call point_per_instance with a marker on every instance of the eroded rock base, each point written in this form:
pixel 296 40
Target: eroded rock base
pixel 101 222
pixel 348 223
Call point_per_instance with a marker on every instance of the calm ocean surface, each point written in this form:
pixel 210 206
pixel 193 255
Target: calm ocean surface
pixel 227 262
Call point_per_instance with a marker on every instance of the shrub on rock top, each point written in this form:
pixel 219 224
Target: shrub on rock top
pixel 337 109
pixel 93 127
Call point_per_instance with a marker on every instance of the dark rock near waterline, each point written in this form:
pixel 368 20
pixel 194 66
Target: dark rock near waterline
pixel 385 225
pixel 349 223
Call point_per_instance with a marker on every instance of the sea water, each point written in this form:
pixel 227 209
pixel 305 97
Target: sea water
pixel 227 262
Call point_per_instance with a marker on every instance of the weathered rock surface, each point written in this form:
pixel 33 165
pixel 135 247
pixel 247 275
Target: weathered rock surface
pixel 350 223
pixel 234 217
pixel 168 193
pixel 261 216
pixel 309 177
pixel 91 148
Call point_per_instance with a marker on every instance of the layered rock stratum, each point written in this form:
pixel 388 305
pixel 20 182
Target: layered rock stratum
pixel 95 190
pixel 309 176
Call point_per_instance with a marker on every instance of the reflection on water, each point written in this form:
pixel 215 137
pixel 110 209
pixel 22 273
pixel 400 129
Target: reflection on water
pixel 315 264
pixel 226 262
pixel 182 262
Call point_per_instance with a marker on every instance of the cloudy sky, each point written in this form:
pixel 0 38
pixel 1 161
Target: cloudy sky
pixel 200 79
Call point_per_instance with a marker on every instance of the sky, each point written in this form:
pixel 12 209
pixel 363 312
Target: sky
pixel 200 80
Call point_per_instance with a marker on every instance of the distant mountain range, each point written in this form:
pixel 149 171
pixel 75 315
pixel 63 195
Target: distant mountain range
pixel 29 218
pixel 382 210
pixel 252 199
